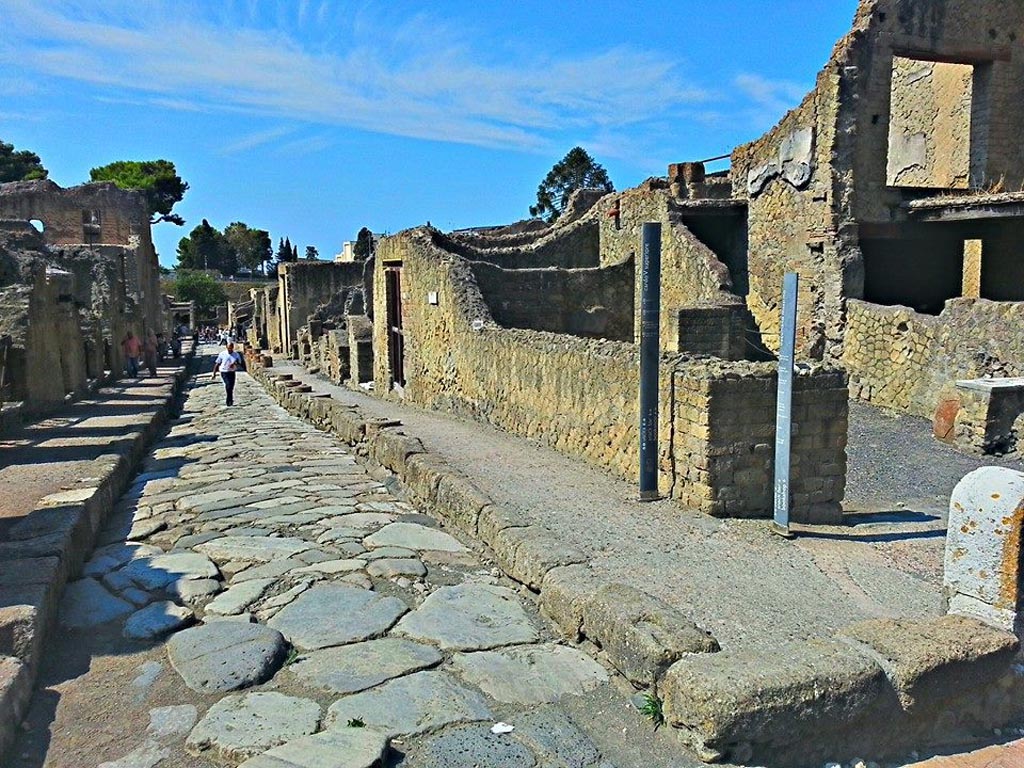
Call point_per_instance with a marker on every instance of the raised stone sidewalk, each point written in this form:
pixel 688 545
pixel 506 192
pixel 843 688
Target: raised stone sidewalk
pixel 827 652
pixel 59 478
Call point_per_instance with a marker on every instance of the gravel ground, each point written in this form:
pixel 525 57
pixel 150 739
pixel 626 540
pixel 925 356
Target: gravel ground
pixel 895 462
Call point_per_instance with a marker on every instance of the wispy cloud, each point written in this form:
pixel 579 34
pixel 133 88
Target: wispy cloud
pixel 414 76
pixel 257 139
pixel 769 99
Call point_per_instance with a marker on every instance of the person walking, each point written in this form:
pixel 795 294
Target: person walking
pixel 132 350
pixel 227 365
pixel 149 353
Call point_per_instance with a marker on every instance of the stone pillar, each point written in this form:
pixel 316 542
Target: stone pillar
pixel 982 577
pixel 972 269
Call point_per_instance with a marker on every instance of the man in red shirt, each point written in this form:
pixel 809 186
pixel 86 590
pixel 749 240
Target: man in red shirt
pixel 132 351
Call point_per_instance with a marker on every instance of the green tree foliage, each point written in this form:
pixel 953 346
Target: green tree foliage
pixel 364 245
pixel 252 247
pixel 156 179
pixel 20 166
pixel 312 254
pixel 199 287
pixel 286 252
pixel 207 248
pixel 577 170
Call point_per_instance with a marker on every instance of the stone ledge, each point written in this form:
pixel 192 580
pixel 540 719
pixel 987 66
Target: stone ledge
pixel 15 697
pixel 46 549
pixel 882 687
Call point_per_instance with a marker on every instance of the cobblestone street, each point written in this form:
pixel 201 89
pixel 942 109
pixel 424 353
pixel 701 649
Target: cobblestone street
pixel 259 598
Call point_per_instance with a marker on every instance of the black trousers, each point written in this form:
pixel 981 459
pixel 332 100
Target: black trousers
pixel 229 386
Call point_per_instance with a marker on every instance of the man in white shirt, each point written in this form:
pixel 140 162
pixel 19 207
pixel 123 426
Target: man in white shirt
pixel 228 363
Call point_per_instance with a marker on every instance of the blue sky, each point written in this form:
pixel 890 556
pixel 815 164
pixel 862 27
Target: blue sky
pixel 313 118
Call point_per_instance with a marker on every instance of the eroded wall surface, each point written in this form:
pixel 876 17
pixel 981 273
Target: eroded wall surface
pixel 580 395
pixel 94 215
pixel 907 361
pixel 303 286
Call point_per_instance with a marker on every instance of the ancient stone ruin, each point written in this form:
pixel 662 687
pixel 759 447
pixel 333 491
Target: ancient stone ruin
pixel 77 271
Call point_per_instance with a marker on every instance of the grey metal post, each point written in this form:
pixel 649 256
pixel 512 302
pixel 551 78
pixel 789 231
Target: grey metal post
pixel 650 329
pixel 784 403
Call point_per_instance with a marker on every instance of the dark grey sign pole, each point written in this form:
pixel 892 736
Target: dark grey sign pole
pixel 650 316
pixel 784 404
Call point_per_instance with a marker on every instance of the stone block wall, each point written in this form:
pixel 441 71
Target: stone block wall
pixel 595 303
pixel 691 274
pixel 968 32
pixel 715 331
pixel 906 361
pixel 569 246
pixel 303 286
pixel 580 395
pixel 724 440
pixel 118 217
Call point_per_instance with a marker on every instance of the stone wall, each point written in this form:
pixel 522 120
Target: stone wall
pixel 93 215
pixel 304 285
pixel 930 124
pixel 981 34
pixel 580 395
pixel 788 178
pixel 691 273
pixel 595 303
pixel 906 361
pixel 570 246
pixel 724 440
pixel 66 311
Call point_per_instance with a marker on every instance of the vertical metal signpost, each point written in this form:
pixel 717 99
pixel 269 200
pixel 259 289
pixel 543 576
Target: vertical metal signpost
pixel 784 405
pixel 650 314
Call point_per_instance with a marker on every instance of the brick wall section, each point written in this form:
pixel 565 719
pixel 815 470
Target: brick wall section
pixel 580 395
pixel 691 274
pixel 714 331
pixel 725 440
pixel 595 303
pixel 906 361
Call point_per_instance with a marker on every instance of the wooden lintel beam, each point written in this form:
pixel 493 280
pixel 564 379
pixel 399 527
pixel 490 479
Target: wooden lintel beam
pixel 968 56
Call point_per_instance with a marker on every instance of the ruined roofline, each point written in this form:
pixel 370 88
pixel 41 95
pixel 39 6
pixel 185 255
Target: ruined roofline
pixel 50 187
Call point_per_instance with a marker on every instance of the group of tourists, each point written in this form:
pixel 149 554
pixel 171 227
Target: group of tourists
pixel 148 351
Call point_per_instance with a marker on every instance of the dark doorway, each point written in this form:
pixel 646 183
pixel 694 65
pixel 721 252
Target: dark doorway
pixel 396 342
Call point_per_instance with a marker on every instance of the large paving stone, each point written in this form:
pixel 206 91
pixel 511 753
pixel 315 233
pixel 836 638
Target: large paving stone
pixel 331 614
pixel 239 597
pixel 86 603
pixel 226 655
pixel 553 734
pixel 414 536
pixel 242 726
pixel 157 620
pixel 158 571
pixel 533 674
pixel 470 617
pixel 353 668
pixel 470 746
pixel 340 748
pixel 247 548
pixel 420 702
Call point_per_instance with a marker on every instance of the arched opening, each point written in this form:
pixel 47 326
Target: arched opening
pixel 40 227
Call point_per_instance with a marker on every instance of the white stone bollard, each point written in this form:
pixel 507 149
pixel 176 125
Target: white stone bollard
pixel 983 577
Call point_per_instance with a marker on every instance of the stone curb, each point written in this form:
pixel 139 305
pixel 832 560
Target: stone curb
pixel 814 700
pixel 46 549
pixel 640 634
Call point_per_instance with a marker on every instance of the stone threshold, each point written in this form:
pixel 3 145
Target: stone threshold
pixel 881 687
pixel 46 549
